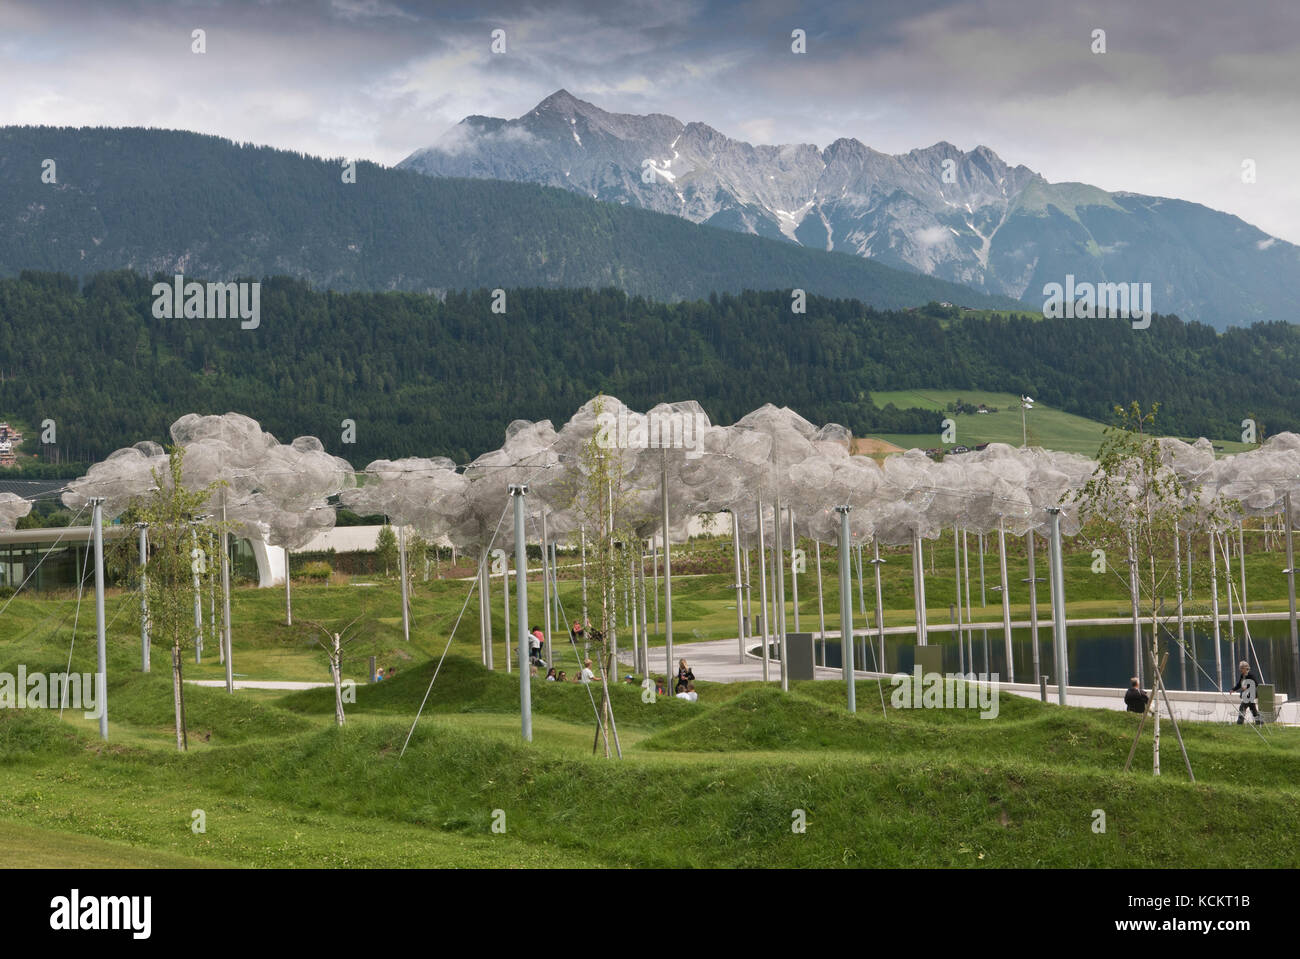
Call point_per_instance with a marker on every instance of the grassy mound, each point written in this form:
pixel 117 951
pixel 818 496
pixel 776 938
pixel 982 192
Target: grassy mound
pixel 893 809
pixel 465 686
pixel 811 717
pixel 764 718
pixel 32 736
pixel 145 700
pixel 923 787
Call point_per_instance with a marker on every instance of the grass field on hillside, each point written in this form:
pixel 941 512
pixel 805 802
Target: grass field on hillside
pixel 1047 427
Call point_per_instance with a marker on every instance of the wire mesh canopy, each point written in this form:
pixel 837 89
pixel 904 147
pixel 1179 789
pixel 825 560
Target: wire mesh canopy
pixel 283 491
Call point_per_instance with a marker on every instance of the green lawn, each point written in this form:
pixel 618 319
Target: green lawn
pixel 279 784
pixel 28 846
pixel 1047 427
pixel 911 788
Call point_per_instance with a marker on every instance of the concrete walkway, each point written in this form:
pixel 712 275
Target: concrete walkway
pixel 720 661
pixel 285 684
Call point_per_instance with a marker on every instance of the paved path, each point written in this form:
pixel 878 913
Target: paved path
pixel 719 661
pixel 286 684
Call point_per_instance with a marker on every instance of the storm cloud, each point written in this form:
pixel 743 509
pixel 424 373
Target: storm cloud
pixel 1185 93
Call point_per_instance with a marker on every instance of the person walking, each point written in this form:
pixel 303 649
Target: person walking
pixel 1248 686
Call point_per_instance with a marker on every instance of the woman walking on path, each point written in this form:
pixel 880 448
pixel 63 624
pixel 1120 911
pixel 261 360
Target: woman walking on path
pixel 1248 686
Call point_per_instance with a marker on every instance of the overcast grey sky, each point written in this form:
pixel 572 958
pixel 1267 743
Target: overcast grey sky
pixel 1187 90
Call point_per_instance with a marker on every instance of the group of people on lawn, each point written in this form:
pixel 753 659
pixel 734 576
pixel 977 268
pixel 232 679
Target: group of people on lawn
pixel 683 687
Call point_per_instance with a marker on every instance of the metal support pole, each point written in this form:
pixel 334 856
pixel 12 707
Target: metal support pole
pixel 740 586
pixel 1033 600
pixel 961 644
pixel 669 668
pixel 1133 601
pixel 773 617
pixel 778 555
pixel 1290 591
pixel 1196 672
pixel 916 606
pixel 485 588
pixel 862 600
pixel 288 597
pixel 846 608
pixel 505 602
pixel 225 597
pixel 1214 612
pixel 877 562
pixel 1178 572
pixel 1006 600
pixel 482 615
pixel 518 492
pixel 821 603
pixel 983 595
pixel 101 647
pixel 401 569
pixel 1241 561
pixel 970 633
pixel 584 584
pixel 749 599
pixel 645 632
pixel 546 591
pixel 556 619
pixel 144 598
pixel 794 571
pixel 198 595
pixel 611 634
pixel 632 610
pixel 214 629
pixel 1056 575
pixel 654 568
pixel 918 558
pixel 762 584
pixel 1227 574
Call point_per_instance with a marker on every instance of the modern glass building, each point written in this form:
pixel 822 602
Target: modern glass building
pixel 61 557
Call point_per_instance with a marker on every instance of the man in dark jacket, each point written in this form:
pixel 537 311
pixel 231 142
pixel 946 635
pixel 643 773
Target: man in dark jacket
pixel 1135 700
pixel 1248 686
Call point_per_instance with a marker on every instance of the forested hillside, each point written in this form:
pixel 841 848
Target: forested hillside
pixel 166 200
pixel 420 375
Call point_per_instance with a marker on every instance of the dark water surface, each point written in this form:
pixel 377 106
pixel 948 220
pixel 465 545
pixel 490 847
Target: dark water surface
pixel 1099 655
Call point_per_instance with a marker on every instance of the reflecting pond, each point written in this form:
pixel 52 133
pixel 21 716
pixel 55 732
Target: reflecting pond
pixel 1099 655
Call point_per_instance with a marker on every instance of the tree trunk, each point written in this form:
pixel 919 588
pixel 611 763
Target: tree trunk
pixel 1157 679
pixel 338 684
pixel 178 697
pixel 1155 746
